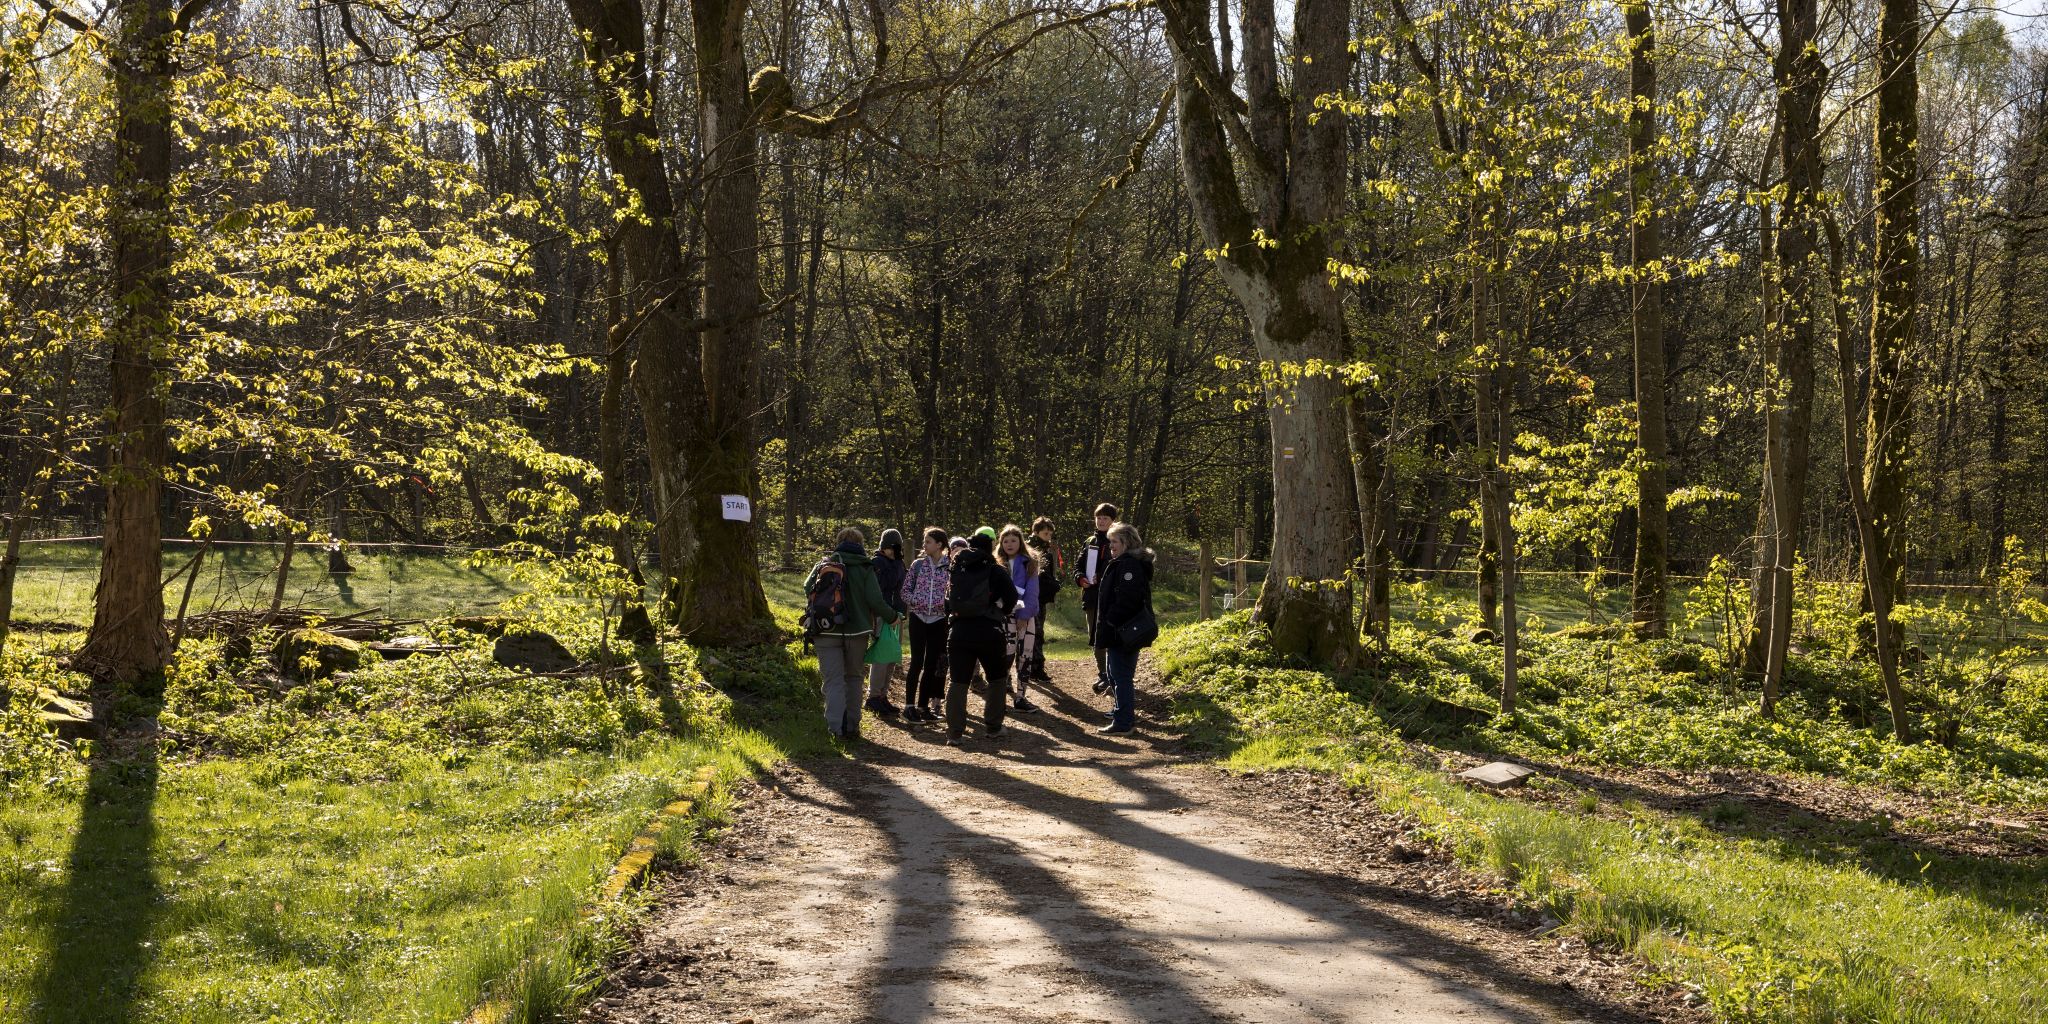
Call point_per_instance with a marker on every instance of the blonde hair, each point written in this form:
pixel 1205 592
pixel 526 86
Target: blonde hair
pixel 1133 544
pixel 1023 550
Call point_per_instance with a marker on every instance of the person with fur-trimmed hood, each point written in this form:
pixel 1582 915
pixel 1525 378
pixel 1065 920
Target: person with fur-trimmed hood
pixel 1124 599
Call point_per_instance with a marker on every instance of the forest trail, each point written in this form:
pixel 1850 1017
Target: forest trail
pixel 1055 876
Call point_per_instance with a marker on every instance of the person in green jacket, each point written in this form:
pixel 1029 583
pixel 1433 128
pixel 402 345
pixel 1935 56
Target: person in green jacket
pixel 844 624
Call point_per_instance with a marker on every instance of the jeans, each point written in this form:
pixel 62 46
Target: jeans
pixel 926 685
pixel 1123 678
pixel 976 644
pixel 841 667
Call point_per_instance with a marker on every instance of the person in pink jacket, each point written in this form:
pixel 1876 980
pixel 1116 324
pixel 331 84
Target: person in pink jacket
pixel 924 599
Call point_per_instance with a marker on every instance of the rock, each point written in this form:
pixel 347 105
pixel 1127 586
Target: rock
pixel 484 625
pixel 1499 775
pixel 534 652
pixel 407 646
pixel 1483 635
pixel 70 719
pixel 310 653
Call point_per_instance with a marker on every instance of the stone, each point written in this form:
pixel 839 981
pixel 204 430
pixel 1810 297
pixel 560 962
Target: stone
pixel 534 652
pixel 310 653
pixel 484 625
pixel 407 646
pixel 1499 775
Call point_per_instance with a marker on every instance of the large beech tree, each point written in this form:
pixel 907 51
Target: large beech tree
pixel 1265 178
pixel 694 375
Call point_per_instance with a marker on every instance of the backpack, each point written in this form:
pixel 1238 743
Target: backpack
pixel 969 595
pixel 825 601
pixel 1048 575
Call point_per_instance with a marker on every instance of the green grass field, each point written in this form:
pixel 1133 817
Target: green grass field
pixel 1822 922
pixel 389 845
pixel 56 583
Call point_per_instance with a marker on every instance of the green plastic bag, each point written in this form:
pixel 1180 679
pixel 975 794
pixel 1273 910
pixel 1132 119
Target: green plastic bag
pixel 888 646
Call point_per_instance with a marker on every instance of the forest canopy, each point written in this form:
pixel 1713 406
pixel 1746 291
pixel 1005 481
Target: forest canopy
pixel 1396 288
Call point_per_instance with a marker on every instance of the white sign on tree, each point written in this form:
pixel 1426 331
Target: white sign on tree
pixel 738 508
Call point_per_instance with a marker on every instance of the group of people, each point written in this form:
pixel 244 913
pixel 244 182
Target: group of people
pixel 974 604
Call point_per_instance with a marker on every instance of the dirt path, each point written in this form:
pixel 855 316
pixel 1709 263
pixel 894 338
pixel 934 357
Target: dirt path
pixel 1053 875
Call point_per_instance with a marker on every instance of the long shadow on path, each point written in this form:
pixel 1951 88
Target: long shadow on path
pixel 1133 966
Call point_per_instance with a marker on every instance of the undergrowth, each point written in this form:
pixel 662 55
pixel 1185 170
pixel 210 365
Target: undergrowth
pixel 396 843
pixel 1760 928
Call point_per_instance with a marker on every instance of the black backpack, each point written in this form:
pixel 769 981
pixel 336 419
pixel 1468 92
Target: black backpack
pixel 825 602
pixel 1048 576
pixel 968 594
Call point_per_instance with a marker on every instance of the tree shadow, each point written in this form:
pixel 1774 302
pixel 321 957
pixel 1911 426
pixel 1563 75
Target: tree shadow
pixel 1129 968
pixel 1788 829
pixel 100 947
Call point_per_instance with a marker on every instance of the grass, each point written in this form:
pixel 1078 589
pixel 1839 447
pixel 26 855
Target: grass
pixel 1840 925
pixel 392 845
pixel 56 583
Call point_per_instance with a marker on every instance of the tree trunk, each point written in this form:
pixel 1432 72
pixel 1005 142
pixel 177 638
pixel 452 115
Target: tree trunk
pixel 1274 250
pixel 1877 584
pixel 127 642
pixel 720 598
pixel 1801 80
pixel 25 507
pixel 1648 603
pixel 1889 432
pixel 635 625
pixel 695 379
pixel 1366 425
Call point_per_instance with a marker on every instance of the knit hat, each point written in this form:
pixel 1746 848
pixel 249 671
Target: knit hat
pixel 956 544
pixel 892 540
pixel 987 531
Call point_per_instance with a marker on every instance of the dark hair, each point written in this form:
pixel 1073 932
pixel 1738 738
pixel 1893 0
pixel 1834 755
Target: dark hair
pixel 1106 509
pixel 934 533
pixel 1041 523
pixel 853 535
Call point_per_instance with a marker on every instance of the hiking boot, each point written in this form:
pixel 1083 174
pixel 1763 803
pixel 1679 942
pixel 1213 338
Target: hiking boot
pixel 913 713
pixel 1020 704
pixel 997 733
pixel 1113 729
pixel 881 706
pixel 952 740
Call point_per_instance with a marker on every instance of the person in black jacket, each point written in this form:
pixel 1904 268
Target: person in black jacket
pixel 889 573
pixel 979 598
pixel 1124 596
pixel 1089 564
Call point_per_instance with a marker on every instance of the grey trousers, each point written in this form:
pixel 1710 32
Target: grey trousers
pixel 841 667
pixel 878 679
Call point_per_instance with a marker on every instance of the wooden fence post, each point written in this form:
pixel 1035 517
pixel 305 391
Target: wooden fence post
pixel 1204 586
pixel 1243 580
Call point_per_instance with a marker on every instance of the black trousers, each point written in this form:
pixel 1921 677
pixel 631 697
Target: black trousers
pixel 926 685
pixel 1037 666
pixel 977 644
pixel 1101 652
